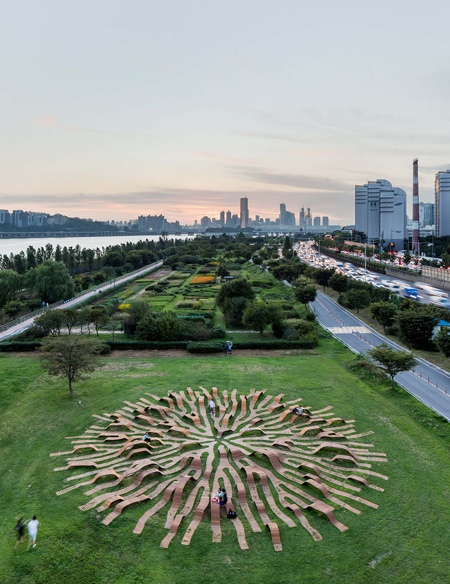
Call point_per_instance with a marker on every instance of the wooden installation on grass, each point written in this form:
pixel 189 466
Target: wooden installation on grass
pixel 278 468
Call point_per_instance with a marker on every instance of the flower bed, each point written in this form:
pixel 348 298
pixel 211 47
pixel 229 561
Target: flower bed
pixel 202 280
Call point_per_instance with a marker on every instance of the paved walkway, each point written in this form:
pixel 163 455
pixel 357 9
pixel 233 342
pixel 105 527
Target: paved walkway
pixel 427 382
pixel 18 328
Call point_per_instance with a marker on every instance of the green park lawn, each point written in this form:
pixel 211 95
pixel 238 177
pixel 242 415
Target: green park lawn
pixel 404 540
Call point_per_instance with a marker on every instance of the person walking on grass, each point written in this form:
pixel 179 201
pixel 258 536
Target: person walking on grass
pixel 32 532
pixel 212 407
pixel 20 529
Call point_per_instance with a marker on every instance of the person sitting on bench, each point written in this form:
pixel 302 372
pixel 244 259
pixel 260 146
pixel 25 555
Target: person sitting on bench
pixel 223 500
pixel 298 410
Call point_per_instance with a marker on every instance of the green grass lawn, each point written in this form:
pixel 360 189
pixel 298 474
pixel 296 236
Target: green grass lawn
pixel 404 540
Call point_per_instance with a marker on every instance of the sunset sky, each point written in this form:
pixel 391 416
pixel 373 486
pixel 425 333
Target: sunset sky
pixel 111 109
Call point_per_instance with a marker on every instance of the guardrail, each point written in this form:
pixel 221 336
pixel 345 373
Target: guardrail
pixel 36 313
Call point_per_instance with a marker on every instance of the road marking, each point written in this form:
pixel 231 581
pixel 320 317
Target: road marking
pixel 348 330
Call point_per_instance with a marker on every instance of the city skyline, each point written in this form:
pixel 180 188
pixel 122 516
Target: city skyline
pixel 111 110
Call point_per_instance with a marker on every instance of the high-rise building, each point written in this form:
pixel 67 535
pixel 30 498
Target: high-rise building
pixel 380 212
pixel 325 221
pixel 5 216
pixel 426 214
pixel 289 219
pixel 222 218
pixel 205 222
pixel 316 221
pixel 151 223
pixel 244 212
pixel 442 203
pixel 302 220
pixel 308 217
pixel 228 219
pixel 282 214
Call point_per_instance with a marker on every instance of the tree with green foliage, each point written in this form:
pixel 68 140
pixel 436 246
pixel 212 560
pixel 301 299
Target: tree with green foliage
pixel 384 313
pixel 310 272
pixel 257 315
pixel 221 270
pixel 442 341
pixel 138 309
pixel 71 318
pixel 407 258
pixel 322 276
pixel 288 270
pixel 162 326
pixel 416 328
pixel 305 293
pixel 50 322
pixel 233 310
pixel 99 317
pixel 238 288
pixel 10 283
pixel 358 299
pixel 50 281
pixel 392 361
pixel 70 357
pixel 85 318
pixel 338 282
pixel 287 251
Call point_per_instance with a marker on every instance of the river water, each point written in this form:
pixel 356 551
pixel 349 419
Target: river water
pixel 16 245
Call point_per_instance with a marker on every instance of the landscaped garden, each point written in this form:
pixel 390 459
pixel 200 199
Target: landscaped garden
pixel 403 540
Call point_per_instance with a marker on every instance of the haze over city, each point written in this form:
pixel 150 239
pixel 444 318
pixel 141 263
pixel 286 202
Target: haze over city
pixel 111 109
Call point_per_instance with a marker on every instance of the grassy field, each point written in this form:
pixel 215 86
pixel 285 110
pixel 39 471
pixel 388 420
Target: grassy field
pixel 404 540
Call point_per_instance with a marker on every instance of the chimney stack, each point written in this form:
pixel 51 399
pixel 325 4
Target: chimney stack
pixel 415 217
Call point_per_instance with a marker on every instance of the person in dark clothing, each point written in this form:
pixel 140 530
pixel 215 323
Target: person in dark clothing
pixel 223 498
pixel 20 529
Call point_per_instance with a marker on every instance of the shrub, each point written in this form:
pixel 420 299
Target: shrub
pixel 204 347
pixel 145 345
pixel 185 304
pixel 218 333
pixel 291 333
pixel 19 346
pixel 194 330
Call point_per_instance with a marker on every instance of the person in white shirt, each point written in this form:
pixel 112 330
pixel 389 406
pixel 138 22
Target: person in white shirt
pixel 32 532
pixel 212 407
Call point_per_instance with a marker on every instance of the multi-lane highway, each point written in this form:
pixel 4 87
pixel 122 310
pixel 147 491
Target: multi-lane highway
pixel 426 382
pixel 417 290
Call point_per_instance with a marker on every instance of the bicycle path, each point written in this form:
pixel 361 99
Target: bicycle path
pixel 22 326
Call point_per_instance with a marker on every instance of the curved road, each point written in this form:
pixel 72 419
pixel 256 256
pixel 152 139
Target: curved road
pixel 18 328
pixel 426 382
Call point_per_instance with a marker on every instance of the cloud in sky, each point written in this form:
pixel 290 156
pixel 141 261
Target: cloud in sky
pixel 184 111
pixel 297 181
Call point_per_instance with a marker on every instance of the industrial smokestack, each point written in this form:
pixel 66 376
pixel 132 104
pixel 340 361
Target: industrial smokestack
pixel 415 232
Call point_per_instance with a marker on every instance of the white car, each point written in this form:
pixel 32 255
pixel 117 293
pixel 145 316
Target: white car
pixel 439 301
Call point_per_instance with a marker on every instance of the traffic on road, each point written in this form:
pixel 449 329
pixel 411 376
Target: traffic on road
pixel 419 291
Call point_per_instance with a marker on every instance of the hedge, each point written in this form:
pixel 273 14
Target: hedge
pixel 19 346
pixel 268 345
pixel 146 345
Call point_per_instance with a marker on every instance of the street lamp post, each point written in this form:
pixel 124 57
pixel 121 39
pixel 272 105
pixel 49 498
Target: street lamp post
pixel 365 261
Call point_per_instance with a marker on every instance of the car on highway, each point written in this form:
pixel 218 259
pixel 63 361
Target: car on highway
pixel 412 293
pixel 439 301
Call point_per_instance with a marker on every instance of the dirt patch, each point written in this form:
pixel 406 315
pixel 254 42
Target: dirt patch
pixel 157 275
